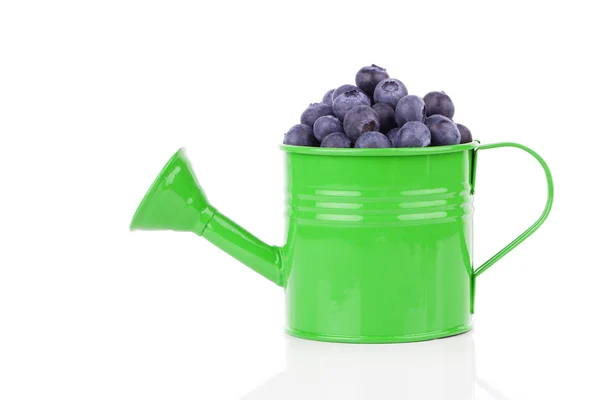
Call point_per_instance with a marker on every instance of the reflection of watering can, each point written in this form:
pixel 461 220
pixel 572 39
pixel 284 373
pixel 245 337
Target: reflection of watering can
pixel 379 242
pixel 434 370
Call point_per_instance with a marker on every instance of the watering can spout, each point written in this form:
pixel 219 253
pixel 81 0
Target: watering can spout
pixel 176 202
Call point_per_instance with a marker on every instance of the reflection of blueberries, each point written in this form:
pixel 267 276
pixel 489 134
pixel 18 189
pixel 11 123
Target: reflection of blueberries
pixel 389 91
pixel 347 101
pixel 368 77
pixel 313 112
pixel 465 134
pixel 444 133
pixel 359 120
pixel 336 139
pixel 410 108
pixel 328 97
pixel 386 117
pixel 439 103
pixel 300 135
pixel 325 125
pixel 372 140
pixel 413 134
pixel 392 134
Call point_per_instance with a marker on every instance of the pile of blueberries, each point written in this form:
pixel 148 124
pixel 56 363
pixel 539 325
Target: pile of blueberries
pixel 378 112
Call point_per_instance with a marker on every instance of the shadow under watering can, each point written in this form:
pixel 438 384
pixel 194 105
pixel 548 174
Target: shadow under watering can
pixel 432 370
pixel 379 241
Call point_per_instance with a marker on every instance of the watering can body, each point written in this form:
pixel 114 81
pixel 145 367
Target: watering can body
pixel 379 244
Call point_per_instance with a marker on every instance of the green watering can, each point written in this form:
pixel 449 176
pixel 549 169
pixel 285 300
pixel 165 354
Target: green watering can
pixel 379 241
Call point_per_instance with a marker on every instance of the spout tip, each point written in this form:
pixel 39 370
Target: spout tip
pixel 131 226
pixel 141 215
pixel 174 201
pixel 139 212
pixel 181 153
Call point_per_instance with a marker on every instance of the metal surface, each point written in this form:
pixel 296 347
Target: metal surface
pixel 379 242
pixel 175 201
pixel 536 224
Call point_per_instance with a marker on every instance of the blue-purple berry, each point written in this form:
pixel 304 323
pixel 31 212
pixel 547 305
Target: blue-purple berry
pixel 300 135
pixel 439 103
pixel 314 112
pixel 387 119
pixel 434 119
pixel 389 91
pixel 392 134
pixel 372 140
pixel 328 97
pixel 465 134
pixel 343 89
pixel 410 108
pixel 444 133
pixel 337 139
pixel 359 120
pixel 413 134
pixel 347 101
pixel 325 125
pixel 368 77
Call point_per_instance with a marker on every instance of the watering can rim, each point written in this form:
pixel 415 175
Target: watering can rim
pixel 407 151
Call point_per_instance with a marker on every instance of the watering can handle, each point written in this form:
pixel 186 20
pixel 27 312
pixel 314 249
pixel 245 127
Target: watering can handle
pixel 537 223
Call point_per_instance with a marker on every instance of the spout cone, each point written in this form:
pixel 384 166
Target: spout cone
pixel 175 201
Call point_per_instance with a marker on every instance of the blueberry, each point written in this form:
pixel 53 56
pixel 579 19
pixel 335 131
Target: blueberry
pixel 343 89
pixel 389 91
pixel 300 135
pixel 313 112
pixel 410 108
pixel 359 120
pixel 434 119
pixel 392 134
pixel 367 78
pixel 439 103
pixel 372 140
pixel 465 134
pixel 336 139
pixel 444 132
pixel 347 101
pixel 386 117
pixel 413 134
pixel 325 125
pixel 328 97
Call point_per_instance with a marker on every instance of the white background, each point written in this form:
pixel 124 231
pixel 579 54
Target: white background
pixel 95 96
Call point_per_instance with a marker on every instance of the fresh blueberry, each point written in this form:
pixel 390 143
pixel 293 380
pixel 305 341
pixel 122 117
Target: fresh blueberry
pixel 465 134
pixel 372 140
pixel 389 91
pixel 434 119
pixel 444 132
pixel 386 117
pixel 313 112
pixel 439 103
pixel 359 120
pixel 336 139
pixel 328 97
pixel 392 134
pixel 325 125
pixel 413 134
pixel 300 135
pixel 367 78
pixel 347 101
pixel 410 108
pixel 343 89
